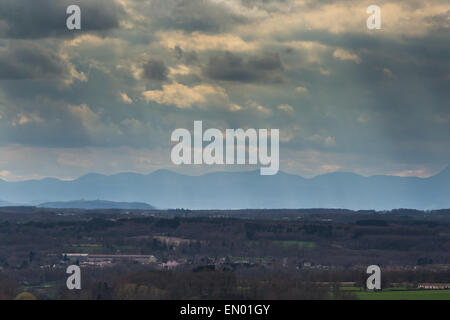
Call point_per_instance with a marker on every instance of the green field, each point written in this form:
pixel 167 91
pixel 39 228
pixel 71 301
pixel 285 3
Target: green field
pixel 405 295
pixel 350 288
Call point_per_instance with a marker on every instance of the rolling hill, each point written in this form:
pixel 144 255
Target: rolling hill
pixel 237 190
pixel 96 204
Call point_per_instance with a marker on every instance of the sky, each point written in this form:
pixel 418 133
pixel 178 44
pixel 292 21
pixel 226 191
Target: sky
pixel 106 98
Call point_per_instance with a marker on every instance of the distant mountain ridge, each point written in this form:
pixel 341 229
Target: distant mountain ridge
pixel 96 204
pixel 238 190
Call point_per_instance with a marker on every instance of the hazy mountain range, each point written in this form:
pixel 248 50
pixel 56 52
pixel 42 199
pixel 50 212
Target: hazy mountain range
pixel 96 204
pixel 235 190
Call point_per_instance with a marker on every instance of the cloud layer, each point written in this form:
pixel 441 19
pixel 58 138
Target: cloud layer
pixel 343 97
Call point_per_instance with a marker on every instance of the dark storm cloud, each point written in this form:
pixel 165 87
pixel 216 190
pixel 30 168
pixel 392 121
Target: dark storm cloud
pixel 212 16
pixel 420 59
pixel 259 69
pixel 24 19
pixel 431 45
pixel 40 122
pixel 155 69
pixel 194 15
pixel 30 61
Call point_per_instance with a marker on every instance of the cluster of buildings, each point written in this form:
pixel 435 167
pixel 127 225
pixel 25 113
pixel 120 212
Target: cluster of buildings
pixel 105 260
pixel 169 265
pixel 102 260
pixel 434 286
pixel 310 265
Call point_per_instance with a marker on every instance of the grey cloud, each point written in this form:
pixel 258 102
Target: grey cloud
pixel 30 61
pixel 155 69
pixel 189 57
pixel 440 22
pixel 24 19
pixel 228 66
pixel 384 116
pixel 194 15
pixel 269 5
pixel 40 122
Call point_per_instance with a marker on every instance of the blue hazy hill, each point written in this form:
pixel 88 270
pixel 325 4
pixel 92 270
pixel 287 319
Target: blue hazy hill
pixel 96 204
pixel 236 190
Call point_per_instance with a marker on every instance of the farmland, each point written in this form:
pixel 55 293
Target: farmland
pixel 265 254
